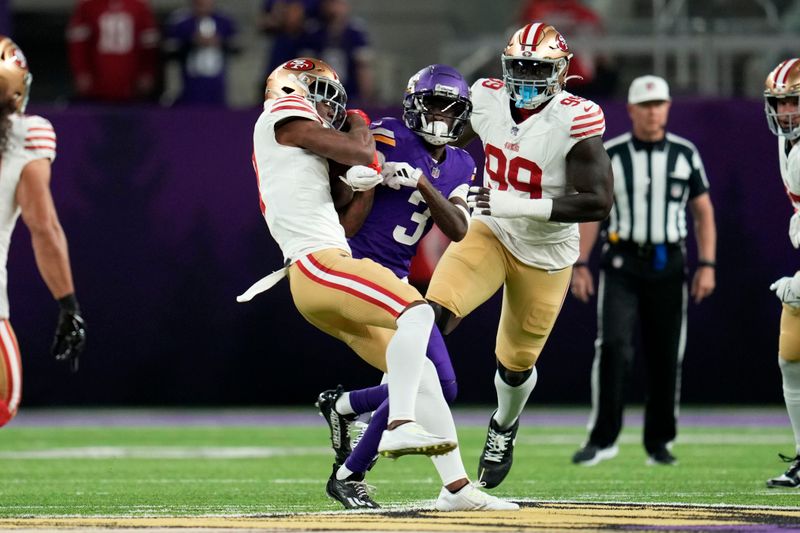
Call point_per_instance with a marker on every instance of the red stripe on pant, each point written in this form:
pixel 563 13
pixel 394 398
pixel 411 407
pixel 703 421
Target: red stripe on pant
pixel 346 289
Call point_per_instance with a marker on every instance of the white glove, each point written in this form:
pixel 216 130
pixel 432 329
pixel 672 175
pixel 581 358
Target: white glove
pixel 396 175
pixel 506 204
pixel 794 230
pixel 361 178
pixel 787 290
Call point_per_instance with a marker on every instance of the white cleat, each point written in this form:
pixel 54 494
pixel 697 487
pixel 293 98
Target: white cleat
pixel 471 498
pixel 412 439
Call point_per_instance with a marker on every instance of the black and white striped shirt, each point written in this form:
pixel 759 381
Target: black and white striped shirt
pixel 652 183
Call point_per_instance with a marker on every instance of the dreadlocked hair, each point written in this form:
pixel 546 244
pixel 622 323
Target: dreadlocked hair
pixel 7 108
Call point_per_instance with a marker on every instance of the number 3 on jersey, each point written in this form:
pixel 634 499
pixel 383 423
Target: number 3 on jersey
pixel 401 234
pixel 522 174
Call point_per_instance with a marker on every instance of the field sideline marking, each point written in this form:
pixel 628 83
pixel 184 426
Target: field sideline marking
pixel 167 452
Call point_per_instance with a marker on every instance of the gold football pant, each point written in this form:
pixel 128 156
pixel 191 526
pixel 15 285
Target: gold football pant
pixel 472 270
pixel 355 300
pixel 789 341
pixel 10 373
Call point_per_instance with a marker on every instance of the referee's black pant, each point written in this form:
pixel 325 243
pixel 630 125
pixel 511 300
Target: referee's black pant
pixel 635 284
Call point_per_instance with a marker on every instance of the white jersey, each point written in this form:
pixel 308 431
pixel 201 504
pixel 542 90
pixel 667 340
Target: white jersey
pixel 530 159
pixel 293 185
pixel 790 170
pixel 31 137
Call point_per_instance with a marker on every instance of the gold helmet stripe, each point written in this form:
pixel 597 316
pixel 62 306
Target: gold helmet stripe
pixel 783 72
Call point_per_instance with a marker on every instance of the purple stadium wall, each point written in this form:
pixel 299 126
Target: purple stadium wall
pixel 161 211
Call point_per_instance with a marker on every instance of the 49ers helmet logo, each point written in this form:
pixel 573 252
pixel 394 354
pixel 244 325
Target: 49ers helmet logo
pixel 299 64
pixel 561 43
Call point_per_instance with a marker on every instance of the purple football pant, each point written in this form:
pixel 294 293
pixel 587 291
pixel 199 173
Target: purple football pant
pixel 377 399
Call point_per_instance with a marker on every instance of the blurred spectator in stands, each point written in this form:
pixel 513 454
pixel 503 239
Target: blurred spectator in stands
pixel 200 39
pixel 113 49
pixel 342 42
pixel 572 17
pixel 287 22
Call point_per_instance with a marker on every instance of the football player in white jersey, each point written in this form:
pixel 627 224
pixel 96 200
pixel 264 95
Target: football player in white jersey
pixel 783 115
pixel 350 299
pixel 546 169
pixel 28 147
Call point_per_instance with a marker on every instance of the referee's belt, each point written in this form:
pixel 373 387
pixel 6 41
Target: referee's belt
pixel 645 250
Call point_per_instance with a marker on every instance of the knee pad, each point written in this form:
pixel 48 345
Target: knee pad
pixel 512 378
pixel 450 390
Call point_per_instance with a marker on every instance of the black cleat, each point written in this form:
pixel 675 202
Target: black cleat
pixel 590 454
pixel 790 478
pixel 339 425
pixel 498 454
pixel 662 456
pixel 352 492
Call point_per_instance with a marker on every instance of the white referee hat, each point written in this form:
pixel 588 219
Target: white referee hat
pixel 648 89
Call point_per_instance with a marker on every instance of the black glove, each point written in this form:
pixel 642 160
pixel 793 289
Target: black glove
pixel 70 339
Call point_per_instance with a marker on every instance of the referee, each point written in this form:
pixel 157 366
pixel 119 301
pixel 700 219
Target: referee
pixel 643 273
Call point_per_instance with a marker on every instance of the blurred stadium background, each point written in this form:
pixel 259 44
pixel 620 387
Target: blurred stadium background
pixel 161 210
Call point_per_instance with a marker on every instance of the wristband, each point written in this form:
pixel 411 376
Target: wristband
pixel 375 165
pixel 706 263
pixel 579 264
pixel 69 303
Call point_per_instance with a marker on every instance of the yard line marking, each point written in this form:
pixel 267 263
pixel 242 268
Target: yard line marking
pixel 166 452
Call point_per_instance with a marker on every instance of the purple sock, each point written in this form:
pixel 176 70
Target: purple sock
pixel 367 447
pixel 367 400
pixel 377 399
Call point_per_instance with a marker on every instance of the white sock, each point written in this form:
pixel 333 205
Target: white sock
pixel 343 473
pixel 343 406
pixel 404 358
pixel 511 400
pixel 434 415
pixel 790 370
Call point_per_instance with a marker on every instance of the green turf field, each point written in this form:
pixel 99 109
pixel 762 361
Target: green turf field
pixel 187 471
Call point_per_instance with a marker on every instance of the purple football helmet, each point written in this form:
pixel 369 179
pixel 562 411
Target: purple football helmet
pixel 437 104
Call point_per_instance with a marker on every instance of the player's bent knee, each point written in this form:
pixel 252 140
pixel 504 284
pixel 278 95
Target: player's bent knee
pixel 418 312
pixel 789 352
pixel 450 390
pixel 513 378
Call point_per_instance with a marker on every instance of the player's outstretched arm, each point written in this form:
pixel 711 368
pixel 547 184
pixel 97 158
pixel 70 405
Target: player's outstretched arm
pixel 589 172
pixel 354 147
pixel 52 257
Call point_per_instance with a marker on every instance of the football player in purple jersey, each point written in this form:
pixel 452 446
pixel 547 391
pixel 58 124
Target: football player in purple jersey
pixel 426 181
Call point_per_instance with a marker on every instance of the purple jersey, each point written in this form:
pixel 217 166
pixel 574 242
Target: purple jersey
pixel 400 218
